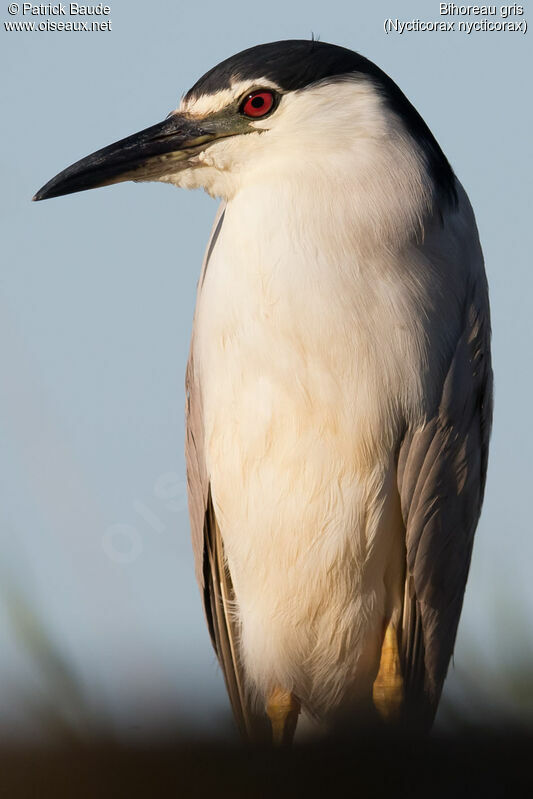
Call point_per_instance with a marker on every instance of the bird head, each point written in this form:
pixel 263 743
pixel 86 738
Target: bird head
pixel 272 113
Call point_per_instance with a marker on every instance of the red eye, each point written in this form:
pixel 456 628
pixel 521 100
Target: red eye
pixel 258 104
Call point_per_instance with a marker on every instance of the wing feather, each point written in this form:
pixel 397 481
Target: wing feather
pixel 441 479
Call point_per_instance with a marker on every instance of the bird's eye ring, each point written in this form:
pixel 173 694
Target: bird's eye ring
pixel 258 104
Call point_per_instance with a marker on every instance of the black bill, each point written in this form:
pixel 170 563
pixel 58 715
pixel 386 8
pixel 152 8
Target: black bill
pixel 147 155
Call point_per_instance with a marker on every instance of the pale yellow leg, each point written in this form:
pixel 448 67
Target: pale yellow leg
pixel 387 692
pixel 282 709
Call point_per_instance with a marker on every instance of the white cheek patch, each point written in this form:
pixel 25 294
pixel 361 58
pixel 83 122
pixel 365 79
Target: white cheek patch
pixel 211 103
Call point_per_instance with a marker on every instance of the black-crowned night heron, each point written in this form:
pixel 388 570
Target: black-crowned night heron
pixel 339 383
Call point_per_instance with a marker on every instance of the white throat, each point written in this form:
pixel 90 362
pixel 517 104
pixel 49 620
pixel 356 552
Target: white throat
pixel 325 143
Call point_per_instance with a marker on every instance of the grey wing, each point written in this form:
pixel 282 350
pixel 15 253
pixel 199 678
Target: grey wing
pixel 212 572
pixel 441 479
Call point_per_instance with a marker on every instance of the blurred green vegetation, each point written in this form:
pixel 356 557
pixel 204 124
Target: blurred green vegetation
pixel 481 745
